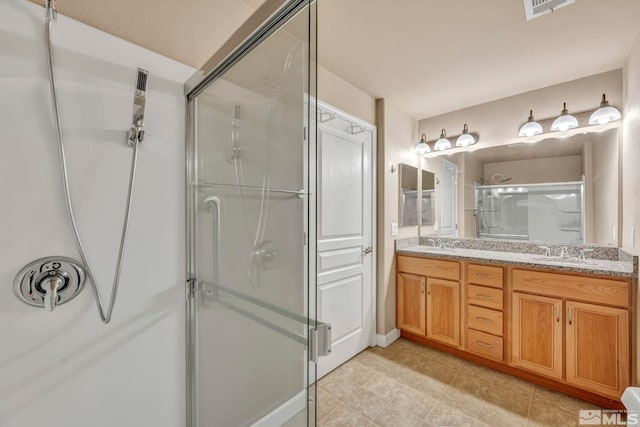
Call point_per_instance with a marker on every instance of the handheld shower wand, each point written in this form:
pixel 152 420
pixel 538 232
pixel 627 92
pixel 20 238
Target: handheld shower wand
pixel 136 132
pixel 134 137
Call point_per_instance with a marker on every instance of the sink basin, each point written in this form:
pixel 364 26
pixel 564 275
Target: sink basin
pixel 565 260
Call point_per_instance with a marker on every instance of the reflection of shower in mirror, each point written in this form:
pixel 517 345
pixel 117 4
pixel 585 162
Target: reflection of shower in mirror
pixel 502 179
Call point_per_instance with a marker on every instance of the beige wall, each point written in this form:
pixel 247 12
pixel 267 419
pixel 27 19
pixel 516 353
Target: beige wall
pixel 533 171
pixel 397 135
pixel 344 96
pixel 631 151
pixel 605 177
pixel 631 158
pixel 498 122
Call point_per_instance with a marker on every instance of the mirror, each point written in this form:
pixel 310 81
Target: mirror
pixel 428 192
pixel 556 190
pixel 408 195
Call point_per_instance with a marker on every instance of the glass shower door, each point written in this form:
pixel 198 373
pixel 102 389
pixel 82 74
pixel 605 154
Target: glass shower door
pixel 249 304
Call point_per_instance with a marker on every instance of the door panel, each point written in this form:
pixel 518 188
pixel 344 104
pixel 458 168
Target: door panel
pixel 249 296
pixel 345 209
pixel 412 303
pixel 537 334
pixel 443 311
pixel 598 348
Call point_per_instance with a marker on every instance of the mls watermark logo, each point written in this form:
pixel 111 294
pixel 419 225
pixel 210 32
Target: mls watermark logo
pixel 598 417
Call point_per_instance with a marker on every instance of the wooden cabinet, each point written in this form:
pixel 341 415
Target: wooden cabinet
pixel 429 298
pixel 537 334
pixel 565 330
pixel 411 303
pixel 596 341
pixel 443 311
pixel 597 348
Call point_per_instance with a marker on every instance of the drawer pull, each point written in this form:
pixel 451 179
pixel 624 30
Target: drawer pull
pixel 484 344
pixel 485 275
pixel 484 319
pixel 484 296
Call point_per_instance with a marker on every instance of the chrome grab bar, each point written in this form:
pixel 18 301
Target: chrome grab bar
pixel 298 193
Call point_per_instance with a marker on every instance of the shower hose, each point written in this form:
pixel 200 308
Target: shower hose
pixel 104 316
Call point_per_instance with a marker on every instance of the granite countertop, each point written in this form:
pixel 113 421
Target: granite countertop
pixel 590 266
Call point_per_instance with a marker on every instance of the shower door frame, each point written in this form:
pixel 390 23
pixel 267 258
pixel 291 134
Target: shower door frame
pixel 266 20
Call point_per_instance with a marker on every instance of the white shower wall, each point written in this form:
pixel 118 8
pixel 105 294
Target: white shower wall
pixel 66 368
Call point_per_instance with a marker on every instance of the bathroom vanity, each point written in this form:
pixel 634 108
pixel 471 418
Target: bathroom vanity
pixel 565 323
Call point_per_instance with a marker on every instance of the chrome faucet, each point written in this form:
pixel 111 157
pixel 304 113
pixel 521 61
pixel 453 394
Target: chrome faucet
pixel 454 243
pixel 433 243
pixel 546 249
pixel 564 252
pixel 583 252
pixel 439 244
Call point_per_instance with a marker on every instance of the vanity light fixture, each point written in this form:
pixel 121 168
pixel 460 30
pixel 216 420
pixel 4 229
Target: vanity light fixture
pixel 605 113
pixel 423 148
pixel 466 139
pixel 443 143
pixel 565 121
pixel 531 128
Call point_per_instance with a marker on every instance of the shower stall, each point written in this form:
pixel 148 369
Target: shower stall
pixel 252 337
pixel 543 212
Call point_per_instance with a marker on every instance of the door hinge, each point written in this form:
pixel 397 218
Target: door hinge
pixel 190 288
pixel 320 342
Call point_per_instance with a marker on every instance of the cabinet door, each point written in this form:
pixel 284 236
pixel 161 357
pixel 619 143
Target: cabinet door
pixel 443 311
pixel 598 348
pixel 537 334
pixel 411 303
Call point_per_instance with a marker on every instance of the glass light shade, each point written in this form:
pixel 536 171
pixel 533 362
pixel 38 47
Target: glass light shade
pixel 443 143
pixel 422 147
pixel 604 115
pixel 465 140
pixel 531 128
pixel 564 122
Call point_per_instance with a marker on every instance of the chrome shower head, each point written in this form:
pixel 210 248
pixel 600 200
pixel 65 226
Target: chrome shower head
pixel 136 132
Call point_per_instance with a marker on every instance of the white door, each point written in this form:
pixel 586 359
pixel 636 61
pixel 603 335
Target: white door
pixel 449 200
pixel 344 232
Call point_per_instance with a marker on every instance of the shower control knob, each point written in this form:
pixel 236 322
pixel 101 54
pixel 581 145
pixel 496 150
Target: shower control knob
pixel 49 282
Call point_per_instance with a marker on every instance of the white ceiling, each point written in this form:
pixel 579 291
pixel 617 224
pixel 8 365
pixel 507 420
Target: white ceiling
pixel 427 57
pixel 430 57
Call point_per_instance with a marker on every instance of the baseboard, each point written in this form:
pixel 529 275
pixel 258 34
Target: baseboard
pixel 284 412
pixel 386 340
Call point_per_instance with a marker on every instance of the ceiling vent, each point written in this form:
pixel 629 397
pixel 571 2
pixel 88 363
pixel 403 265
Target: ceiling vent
pixel 536 8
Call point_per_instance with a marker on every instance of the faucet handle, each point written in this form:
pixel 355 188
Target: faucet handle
pixel 454 243
pixel 546 249
pixel 583 252
pixel 50 285
pixel 433 242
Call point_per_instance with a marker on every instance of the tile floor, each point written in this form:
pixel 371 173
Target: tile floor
pixel 407 384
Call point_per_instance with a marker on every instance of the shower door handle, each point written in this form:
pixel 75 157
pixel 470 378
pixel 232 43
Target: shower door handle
pixel 320 341
pixel 367 250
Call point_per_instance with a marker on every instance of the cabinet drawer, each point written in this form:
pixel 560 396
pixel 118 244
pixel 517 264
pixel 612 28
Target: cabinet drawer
pixel 429 267
pixel 484 319
pixel 591 289
pixel 484 344
pixel 485 297
pixel 485 275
